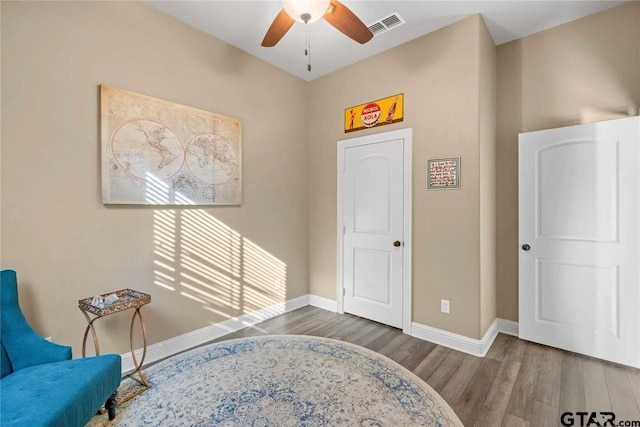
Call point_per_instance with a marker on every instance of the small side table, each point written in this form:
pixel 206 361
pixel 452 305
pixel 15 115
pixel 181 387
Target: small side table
pixel 127 299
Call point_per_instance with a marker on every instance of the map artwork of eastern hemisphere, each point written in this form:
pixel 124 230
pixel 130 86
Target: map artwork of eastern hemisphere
pixel 156 152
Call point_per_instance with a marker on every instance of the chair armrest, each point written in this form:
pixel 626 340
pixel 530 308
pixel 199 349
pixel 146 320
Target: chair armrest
pixel 49 352
pixel 23 345
pixel 32 350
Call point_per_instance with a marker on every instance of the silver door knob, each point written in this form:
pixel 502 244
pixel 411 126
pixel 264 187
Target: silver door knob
pixel 397 243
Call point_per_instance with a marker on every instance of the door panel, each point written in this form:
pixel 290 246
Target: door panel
pixel 371 275
pixel 557 285
pixel 371 211
pixel 373 220
pixel 579 182
pixel 579 193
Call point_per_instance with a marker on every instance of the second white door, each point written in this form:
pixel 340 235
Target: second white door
pixel 373 200
pixel 579 190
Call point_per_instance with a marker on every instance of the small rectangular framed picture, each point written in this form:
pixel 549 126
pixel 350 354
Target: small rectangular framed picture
pixel 443 174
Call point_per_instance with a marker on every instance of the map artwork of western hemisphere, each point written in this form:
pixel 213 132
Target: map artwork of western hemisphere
pixel 156 152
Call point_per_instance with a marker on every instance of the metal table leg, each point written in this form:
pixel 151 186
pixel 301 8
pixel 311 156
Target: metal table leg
pixel 142 379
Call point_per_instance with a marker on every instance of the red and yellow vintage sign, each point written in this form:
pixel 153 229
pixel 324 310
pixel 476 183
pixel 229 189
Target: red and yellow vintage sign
pixel 377 113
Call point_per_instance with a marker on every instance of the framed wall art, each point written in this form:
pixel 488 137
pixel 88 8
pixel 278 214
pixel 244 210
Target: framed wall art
pixel 443 174
pixel 157 152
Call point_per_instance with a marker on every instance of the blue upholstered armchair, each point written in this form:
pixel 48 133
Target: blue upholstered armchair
pixel 40 384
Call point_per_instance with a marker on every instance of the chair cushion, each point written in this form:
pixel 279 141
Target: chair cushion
pixel 64 393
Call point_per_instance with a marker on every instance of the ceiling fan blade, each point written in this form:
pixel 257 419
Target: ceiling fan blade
pixel 278 29
pixel 347 22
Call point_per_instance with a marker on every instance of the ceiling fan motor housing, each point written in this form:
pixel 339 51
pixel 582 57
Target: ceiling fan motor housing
pixel 306 11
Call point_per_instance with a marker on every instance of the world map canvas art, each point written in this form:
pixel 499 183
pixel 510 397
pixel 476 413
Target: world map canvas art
pixel 157 152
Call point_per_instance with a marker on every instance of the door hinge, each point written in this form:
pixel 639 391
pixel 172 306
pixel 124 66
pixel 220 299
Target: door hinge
pixel 344 291
pixel 344 230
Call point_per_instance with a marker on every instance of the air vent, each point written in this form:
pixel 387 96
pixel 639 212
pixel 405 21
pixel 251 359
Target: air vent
pixel 377 28
pixel 391 21
pixel 385 24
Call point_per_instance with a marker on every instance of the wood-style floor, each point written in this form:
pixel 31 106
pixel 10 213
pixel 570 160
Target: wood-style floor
pixel 518 383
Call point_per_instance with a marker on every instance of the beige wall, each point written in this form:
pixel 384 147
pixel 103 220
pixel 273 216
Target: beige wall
pixel 487 147
pixel 439 75
pixel 582 71
pixel 56 233
pixel 66 245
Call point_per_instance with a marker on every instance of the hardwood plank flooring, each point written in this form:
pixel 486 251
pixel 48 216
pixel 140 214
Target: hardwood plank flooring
pixel 623 404
pixel 572 384
pixel 441 376
pixel 515 351
pixel 416 354
pixel 513 421
pixel 518 383
pixel 394 344
pixel 548 390
pixel 458 382
pixel 596 392
pixel 431 362
pixel 474 396
pixel 634 380
pixel 368 339
pixel 523 395
pixel 382 340
pixel 495 406
pixel 499 348
pixel 545 415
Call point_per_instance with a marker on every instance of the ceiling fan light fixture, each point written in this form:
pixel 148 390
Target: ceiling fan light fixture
pixel 296 9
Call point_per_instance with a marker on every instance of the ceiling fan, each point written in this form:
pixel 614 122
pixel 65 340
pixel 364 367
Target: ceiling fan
pixel 308 11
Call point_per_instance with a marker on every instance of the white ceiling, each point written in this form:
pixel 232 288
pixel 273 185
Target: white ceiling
pixel 243 23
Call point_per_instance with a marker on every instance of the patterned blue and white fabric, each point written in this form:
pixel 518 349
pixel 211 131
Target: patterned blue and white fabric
pixel 283 381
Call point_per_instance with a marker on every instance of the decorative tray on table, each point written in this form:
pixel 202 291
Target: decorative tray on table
pixel 127 298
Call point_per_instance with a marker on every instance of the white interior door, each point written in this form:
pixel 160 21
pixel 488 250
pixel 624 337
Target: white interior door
pixel 579 190
pixel 373 189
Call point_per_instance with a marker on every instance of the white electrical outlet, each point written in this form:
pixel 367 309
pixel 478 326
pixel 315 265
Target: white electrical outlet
pixel 445 305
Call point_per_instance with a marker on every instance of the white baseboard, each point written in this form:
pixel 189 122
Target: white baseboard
pixel 323 303
pixel 456 341
pixel 508 327
pixel 198 337
pixel 462 343
pixel 439 336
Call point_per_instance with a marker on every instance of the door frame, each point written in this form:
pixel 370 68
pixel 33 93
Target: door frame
pixel 407 136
